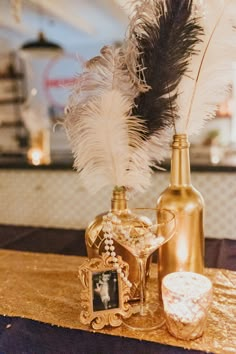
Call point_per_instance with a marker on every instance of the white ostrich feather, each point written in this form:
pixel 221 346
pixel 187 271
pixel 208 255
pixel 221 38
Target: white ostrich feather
pixel 103 138
pixel 210 72
pixel 103 135
pixel 135 8
pixel 159 146
pixel 105 72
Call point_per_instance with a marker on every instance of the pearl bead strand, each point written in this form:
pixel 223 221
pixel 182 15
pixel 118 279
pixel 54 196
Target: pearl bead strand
pixel 108 221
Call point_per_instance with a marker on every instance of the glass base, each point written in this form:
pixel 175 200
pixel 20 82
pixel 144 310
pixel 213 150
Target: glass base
pixel 153 318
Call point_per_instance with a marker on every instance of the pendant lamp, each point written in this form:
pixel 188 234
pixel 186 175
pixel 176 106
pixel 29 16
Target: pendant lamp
pixel 42 44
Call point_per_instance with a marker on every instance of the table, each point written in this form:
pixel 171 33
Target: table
pixel 219 253
pixel 20 335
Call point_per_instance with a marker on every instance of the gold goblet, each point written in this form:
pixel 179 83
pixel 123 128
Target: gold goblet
pixel 142 233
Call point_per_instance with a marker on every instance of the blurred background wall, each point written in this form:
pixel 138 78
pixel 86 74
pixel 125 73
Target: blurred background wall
pixel 34 87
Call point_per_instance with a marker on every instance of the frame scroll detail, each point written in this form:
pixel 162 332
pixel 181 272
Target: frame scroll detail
pixel 104 297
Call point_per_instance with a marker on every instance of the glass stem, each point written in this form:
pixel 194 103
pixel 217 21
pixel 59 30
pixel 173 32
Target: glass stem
pixel 142 274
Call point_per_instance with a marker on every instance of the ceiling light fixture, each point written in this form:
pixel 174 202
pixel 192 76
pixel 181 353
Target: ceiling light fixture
pixel 41 43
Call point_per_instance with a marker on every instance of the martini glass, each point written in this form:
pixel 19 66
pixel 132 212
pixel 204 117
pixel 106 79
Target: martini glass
pixel 142 233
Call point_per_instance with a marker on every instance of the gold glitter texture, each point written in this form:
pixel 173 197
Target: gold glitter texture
pixel 45 287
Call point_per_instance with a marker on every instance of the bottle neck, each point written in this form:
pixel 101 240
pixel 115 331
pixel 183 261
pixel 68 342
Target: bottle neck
pixel 180 164
pixel 119 199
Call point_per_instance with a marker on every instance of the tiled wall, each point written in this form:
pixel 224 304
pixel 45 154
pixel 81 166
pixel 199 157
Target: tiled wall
pixel 56 199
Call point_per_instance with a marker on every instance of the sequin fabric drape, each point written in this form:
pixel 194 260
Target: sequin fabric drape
pixel 45 287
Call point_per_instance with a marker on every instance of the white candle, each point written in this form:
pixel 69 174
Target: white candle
pixel 186 298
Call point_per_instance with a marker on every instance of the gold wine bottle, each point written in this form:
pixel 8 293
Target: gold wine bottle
pixel 95 242
pixel 185 251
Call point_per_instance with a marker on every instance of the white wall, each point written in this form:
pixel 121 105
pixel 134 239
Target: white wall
pixel 57 199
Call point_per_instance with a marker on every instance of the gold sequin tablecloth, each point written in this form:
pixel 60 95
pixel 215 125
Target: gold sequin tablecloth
pixel 45 287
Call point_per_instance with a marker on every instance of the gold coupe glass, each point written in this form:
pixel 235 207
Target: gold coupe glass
pixel 141 239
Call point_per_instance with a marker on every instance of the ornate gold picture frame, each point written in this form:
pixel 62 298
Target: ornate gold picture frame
pixel 105 295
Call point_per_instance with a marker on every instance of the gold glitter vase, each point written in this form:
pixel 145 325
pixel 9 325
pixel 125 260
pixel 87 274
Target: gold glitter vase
pixel 95 245
pixel 185 251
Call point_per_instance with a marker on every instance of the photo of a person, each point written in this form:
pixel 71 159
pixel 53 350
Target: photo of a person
pixel 105 290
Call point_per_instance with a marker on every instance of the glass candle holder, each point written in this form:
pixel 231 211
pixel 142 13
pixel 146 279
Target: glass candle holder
pixel 187 297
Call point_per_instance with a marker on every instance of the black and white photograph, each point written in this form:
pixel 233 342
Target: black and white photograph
pixel 104 295
pixel 105 290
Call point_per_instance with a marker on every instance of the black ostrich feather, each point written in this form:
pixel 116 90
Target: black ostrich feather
pixel 165 35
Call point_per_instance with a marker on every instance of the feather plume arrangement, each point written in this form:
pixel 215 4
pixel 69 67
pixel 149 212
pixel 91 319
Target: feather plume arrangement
pixel 102 132
pixel 210 73
pixel 103 73
pixel 164 34
pixel 162 38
